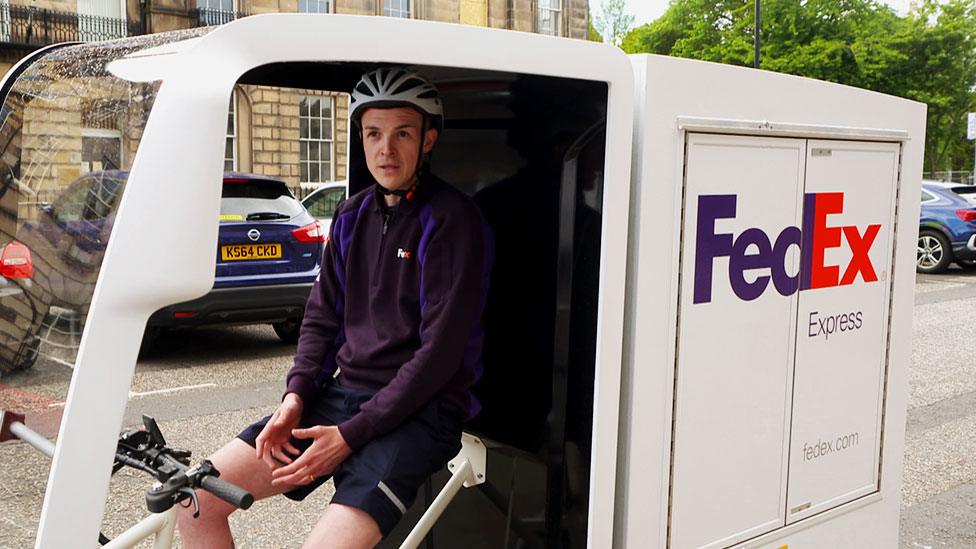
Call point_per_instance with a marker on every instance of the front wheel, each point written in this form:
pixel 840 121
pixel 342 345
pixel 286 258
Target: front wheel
pixel 288 330
pixel 933 253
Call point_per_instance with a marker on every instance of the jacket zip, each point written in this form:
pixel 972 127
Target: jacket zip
pixel 387 215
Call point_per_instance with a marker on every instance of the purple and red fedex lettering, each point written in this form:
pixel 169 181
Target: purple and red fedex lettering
pixel 812 241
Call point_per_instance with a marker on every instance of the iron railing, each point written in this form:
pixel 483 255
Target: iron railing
pixel 206 17
pixel 33 27
pixel 958 176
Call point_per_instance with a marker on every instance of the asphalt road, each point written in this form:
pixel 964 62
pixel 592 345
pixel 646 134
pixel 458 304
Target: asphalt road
pixel 939 493
pixel 204 385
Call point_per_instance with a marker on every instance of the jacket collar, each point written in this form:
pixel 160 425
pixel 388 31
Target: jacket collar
pixel 425 188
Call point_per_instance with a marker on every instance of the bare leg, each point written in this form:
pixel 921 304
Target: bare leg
pixel 238 465
pixel 344 527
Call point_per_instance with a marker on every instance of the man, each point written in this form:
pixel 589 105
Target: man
pixel 397 308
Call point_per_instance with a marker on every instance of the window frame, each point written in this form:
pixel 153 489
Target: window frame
pixel 304 160
pixel 231 136
pixel 387 11
pixel 329 6
pixel 556 14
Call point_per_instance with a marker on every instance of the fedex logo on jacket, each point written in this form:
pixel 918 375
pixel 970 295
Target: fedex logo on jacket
pixel 754 249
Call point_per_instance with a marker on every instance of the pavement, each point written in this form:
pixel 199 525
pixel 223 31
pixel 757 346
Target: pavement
pixel 939 492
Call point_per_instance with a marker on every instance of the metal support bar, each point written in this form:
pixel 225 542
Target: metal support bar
pixel 160 524
pixel 33 438
pixel 12 426
pixel 467 470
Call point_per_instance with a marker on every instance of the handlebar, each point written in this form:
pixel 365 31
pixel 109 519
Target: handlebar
pixel 232 494
pixel 146 450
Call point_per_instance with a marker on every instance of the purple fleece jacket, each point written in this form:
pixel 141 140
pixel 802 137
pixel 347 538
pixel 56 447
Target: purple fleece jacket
pixel 398 307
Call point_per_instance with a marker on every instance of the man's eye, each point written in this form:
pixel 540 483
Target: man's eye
pixel 372 135
pixel 404 134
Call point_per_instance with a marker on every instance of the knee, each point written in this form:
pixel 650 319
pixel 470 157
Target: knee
pixel 211 510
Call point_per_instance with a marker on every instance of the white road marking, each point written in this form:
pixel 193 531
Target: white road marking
pixel 134 394
pixel 59 361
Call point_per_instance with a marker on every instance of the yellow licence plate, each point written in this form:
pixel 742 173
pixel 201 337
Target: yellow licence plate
pixel 244 252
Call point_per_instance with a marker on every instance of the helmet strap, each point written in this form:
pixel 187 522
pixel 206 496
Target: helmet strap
pixel 420 150
pixel 402 193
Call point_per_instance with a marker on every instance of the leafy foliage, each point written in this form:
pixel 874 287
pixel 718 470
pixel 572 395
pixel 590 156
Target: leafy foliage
pixel 612 22
pixel 928 55
pixel 591 34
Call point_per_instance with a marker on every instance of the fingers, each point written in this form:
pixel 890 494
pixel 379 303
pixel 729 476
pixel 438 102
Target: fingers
pixel 310 432
pixel 290 448
pixel 300 477
pixel 278 453
pixel 286 471
pixel 261 442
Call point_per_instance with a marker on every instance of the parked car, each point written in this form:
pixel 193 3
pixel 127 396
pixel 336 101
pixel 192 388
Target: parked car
pixel 947 227
pixel 20 315
pixel 322 202
pixel 267 256
pixel 268 253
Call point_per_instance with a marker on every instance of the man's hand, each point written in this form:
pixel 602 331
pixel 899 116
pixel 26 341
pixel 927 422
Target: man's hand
pixel 272 444
pixel 327 451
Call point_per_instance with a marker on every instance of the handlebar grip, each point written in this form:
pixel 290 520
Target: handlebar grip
pixel 234 495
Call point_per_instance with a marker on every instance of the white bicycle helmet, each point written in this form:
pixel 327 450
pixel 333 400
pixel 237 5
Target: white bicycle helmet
pixel 396 87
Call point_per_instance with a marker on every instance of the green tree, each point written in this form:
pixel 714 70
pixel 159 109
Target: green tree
pixel 612 22
pixel 938 68
pixel 592 35
pixel 928 55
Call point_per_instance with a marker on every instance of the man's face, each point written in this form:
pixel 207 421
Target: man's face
pixel 391 141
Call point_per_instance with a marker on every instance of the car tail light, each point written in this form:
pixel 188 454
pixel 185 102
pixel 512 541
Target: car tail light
pixel 966 215
pixel 16 261
pixel 309 233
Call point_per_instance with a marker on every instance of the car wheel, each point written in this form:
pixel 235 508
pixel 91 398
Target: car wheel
pixel 933 254
pixel 288 329
pixel 149 338
pixel 31 351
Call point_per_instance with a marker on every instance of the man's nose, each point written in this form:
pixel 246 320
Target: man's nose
pixel 386 146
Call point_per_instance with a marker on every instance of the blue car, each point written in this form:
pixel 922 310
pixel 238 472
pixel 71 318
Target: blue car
pixel 947 228
pixel 269 250
pixel 267 258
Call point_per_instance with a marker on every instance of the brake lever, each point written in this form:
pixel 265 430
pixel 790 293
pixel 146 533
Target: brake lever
pixel 192 494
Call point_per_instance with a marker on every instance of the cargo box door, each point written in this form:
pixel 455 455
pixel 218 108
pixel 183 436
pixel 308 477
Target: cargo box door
pixel 739 275
pixel 842 324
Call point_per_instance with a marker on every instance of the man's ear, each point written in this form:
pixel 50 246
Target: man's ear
pixel 430 137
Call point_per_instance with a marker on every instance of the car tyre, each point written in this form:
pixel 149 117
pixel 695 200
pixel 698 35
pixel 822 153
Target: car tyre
pixel 149 338
pixel 288 330
pixel 934 254
pixel 31 351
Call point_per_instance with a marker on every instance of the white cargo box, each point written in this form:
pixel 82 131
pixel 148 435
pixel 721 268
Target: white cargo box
pixel 769 305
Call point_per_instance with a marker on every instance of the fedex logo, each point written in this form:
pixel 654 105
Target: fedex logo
pixel 812 241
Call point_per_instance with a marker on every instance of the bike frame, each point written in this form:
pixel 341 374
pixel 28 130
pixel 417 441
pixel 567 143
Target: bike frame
pixel 161 525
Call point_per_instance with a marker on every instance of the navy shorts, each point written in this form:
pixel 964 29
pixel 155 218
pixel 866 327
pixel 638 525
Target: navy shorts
pixel 383 477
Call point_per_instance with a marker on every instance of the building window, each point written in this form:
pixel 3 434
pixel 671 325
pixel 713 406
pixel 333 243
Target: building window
pixel 101 149
pixel 315 136
pixel 101 20
pixel 548 17
pixel 230 144
pixel 315 6
pixel 396 8
pixel 215 12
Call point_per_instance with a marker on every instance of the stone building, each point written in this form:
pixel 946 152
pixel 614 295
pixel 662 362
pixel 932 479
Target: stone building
pixel 296 135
